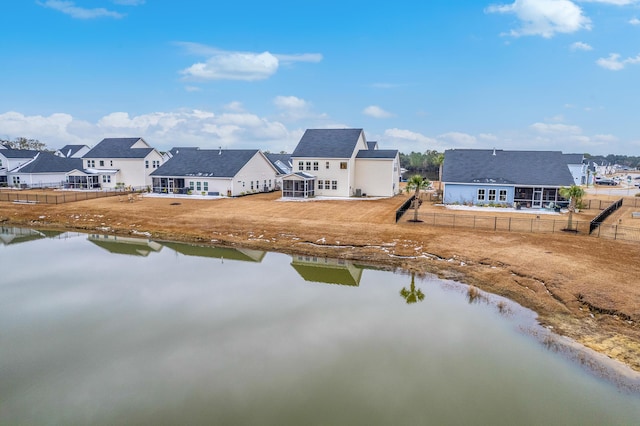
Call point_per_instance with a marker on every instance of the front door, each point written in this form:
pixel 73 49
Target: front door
pixel 537 198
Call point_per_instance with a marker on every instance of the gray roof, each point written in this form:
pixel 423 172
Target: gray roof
pixel 46 162
pixel 327 143
pixel 378 153
pixel 544 168
pixel 573 158
pixel 19 153
pixel 205 162
pixel 278 159
pixel 69 150
pixel 117 148
pixel 372 145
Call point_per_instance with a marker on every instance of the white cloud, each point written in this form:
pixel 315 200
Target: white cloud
pixel 235 106
pixel 634 21
pixel 245 66
pixel 376 112
pixel 488 137
pixel 192 88
pixel 458 139
pixel 293 108
pixel 546 128
pixel 544 17
pixel 614 63
pixel 162 130
pixel 70 8
pixel 578 45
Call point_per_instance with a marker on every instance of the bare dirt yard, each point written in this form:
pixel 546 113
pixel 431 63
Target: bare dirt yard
pixel 582 287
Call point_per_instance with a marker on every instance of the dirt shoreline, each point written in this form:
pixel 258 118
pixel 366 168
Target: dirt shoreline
pixel 584 288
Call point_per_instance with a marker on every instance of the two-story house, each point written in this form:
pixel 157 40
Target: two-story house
pixel 125 162
pixel 341 163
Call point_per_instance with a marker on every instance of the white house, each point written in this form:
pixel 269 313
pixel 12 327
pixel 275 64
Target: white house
pixel 46 169
pixel 122 162
pixel 11 159
pixel 577 167
pixel 229 172
pixel 341 163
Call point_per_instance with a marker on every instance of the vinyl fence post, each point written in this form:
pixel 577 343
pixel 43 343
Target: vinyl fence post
pixel 495 223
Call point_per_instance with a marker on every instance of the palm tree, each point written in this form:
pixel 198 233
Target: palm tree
pixel 416 183
pixel 414 294
pixel 574 194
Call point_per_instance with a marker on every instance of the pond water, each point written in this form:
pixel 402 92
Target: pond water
pixel 112 330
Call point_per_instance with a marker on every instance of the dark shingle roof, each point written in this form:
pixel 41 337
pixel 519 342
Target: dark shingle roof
pixel 327 143
pixel 547 168
pixel 46 162
pixel 69 150
pixel 573 158
pixel 377 153
pixel 372 145
pixel 279 161
pixel 206 162
pixel 117 148
pixel 19 153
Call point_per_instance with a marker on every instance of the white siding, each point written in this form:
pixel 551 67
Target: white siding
pixel 377 177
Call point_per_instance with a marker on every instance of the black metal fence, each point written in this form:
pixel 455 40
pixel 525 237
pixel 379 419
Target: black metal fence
pixel 403 208
pixel 604 214
pixel 534 224
pixel 60 197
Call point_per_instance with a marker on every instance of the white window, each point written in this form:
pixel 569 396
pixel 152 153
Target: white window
pixel 334 184
pixel 106 178
pixel 326 165
pixel 492 195
pixel 205 186
pixel 309 165
pixel 503 195
pixel 146 164
pixel 199 186
pixel 191 185
pixel 327 184
pixel 343 165
pixel 300 165
pixel 315 165
pixel 320 186
pixel 101 163
pixel 481 194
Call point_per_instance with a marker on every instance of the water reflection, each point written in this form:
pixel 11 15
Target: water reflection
pixel 327 271
pixel 11 235
pixel 222 253
pixel 162 339
pixel 125 245
pixel 413 294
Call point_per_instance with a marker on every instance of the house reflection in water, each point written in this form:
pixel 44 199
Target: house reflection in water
pixel 125 245
pixel 223 253
pixel 10 235
pixel 329 271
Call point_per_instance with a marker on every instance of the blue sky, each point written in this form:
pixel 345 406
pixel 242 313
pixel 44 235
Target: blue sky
pixel 437 74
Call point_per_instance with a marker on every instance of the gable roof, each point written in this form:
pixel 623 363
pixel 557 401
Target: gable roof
pixel 45 162
pixel 327 143
pixel 372 145
pixel 206 162
pixel 389 154
pixel 573 158
pixel 282 162
pixel 19 153
pixel 70 150
pixel 118 148
pixel 544 168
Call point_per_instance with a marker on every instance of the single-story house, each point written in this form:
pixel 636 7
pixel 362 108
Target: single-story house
pixel 47 169
pixel 230 172
pixel 515 178
pixel 341 163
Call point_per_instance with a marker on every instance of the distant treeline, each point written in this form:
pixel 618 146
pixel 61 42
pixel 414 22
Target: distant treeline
pixel 630 161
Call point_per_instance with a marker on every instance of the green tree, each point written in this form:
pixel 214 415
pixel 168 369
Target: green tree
pixel 413 294
pixel 574 194
pixel 24 143
pixel 416 183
